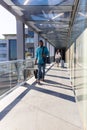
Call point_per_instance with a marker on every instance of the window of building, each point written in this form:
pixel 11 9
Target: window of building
pixel 12 49
pixel 3 55
pixel 29 40
pixel 3 45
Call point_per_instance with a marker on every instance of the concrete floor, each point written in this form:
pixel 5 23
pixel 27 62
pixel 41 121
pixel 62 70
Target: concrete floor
pixel 49 106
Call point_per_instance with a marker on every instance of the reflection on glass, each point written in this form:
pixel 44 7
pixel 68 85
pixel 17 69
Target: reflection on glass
pixel 43 2
pixel 14 72
pixel 29 40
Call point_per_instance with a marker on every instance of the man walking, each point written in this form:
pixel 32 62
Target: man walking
pixel 41 54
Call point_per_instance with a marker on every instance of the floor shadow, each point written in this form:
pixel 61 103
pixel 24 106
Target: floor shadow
pixel 7 109
pixel 57 76
pixel 53 82
pixel 67 88
pixel 59 69
pixel 56 94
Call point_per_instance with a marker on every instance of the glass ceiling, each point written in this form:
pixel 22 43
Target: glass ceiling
pixel 43 2
pixel 50 18
pixel 80 22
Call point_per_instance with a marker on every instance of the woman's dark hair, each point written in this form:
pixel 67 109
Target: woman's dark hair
pixel 41 41
pixel 41 45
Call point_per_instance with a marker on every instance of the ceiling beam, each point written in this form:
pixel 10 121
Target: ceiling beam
pixel 76 3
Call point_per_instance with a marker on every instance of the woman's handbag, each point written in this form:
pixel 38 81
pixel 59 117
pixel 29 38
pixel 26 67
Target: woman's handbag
pixel 46 59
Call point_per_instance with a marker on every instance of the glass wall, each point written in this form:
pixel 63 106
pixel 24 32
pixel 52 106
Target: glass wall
pixel 77 58
pixel 13 73
pixel 81 74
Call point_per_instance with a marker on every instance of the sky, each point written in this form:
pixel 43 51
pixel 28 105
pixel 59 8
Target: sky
pixel 7 22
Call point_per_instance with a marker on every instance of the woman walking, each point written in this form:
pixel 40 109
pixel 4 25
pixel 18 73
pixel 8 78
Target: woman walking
pixel 57 57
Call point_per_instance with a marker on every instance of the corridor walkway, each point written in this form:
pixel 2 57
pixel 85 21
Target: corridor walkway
pixel 49 106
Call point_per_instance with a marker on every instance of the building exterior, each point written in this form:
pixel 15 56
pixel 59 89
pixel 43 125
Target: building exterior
pixel 8 46
pixel 3 50
pixel 11 46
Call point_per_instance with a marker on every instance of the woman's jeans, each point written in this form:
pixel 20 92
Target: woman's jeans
pixel 41 71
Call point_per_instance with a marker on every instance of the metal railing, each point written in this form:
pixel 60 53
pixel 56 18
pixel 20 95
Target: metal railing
pixel 15 72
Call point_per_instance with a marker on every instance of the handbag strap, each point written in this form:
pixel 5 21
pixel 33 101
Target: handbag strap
pixel 44 58
pixel 43 50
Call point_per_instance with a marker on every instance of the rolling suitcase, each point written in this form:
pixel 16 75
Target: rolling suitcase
pixel 62 63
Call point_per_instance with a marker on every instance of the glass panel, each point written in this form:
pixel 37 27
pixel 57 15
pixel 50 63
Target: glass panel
pixel 4 78
pixel 43 2
pixel 29 40
pixel 79 34
pixel 29 43
pixel 14 72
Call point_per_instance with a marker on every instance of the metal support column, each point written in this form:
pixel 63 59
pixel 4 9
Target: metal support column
pixel 20 40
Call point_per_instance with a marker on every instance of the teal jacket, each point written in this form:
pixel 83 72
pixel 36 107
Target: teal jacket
pixel 39 52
